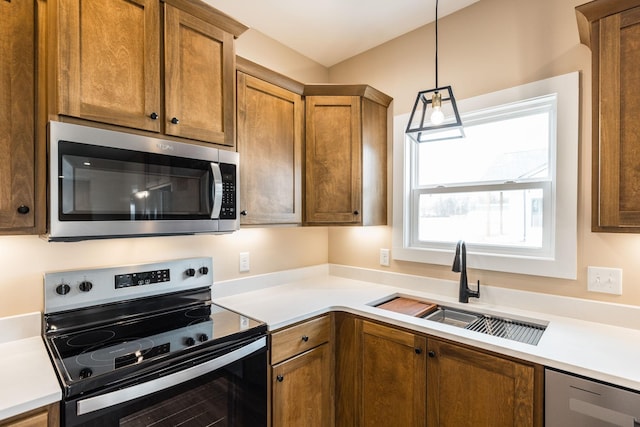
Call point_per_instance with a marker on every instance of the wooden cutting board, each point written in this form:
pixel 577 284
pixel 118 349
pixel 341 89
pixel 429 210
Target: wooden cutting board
pixel 409 306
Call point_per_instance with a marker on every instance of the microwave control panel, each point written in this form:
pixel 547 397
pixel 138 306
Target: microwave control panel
pixel 228 209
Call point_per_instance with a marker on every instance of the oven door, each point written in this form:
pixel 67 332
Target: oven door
pixel 228 389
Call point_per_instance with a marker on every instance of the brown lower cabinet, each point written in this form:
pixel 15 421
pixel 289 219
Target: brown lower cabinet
pixel 393 377
pixel 46 416
pixel 302 375
pixel 469 387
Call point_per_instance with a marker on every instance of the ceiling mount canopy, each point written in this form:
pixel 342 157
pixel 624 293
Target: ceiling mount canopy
pixel 435 116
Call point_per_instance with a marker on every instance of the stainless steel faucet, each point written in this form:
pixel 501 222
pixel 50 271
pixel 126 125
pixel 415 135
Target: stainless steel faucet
pixel 460 266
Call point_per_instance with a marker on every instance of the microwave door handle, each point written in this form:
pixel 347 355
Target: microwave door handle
pixel 216 191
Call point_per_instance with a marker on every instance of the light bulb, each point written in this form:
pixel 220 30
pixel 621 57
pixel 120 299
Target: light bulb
pixel 437 116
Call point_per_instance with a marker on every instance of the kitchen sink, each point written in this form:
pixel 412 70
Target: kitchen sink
pixel 515 330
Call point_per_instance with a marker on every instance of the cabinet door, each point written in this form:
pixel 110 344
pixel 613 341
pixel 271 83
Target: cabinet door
pixel 472 388
pixel 393 377
pixel 301 391
pixel 109 61
pixel 17 113
pixel 270 122
pixel 199 79
pixel 618 176
pixel 333 160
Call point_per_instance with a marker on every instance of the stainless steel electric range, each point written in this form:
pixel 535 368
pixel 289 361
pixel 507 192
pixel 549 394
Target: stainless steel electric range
pixel 143 345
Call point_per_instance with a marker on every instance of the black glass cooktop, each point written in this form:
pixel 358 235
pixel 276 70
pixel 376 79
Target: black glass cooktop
pixel 97 346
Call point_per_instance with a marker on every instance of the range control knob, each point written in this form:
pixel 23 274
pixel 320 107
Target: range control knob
pixel 203 337
pixel 85 286
pixel 63 289
pixel 85 373
pixel 203 270
pixel 190 272
pixel 189 341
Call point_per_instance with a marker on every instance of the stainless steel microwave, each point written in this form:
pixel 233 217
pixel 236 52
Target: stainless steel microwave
pixel 106 184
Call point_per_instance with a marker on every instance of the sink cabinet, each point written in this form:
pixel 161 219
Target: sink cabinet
pixel 346 155
pixel 470 387
pixel 302 378
pixel 611 28
pixel 391 376
pixel 106 66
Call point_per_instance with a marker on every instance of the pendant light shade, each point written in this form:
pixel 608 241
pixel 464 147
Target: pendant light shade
pixel 435 115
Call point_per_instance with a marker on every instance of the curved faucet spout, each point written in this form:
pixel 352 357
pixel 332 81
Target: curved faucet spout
pixel 460 266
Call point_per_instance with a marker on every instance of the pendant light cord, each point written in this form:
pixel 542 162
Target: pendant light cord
pixel 436 44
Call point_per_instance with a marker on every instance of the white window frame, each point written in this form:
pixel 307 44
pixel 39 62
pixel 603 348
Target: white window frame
pixel 558 260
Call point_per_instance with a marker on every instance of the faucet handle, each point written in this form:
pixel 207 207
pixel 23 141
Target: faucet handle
pixel 476 293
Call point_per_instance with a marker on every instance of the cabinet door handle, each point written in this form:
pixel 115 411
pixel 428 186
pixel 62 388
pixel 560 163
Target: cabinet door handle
pixel 432 353
pixel 280 378
pixel 418 350
pixel 175 121
pixel 153 116
pixel 244 213
pixel 305 338
pixel 356 212
pixel 22 209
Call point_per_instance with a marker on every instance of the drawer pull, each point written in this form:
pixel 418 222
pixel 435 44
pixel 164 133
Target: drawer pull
pixel 305 338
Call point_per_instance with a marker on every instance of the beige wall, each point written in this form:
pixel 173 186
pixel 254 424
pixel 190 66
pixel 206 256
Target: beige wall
pixel 24 259
pixel 492 45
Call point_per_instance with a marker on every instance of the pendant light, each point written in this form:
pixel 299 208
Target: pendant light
pixel 435 114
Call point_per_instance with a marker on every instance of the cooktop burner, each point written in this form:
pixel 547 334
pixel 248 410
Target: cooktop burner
pixel 134 329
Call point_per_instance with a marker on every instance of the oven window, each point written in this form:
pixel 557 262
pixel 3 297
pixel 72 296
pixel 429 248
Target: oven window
pixel 101 183
pixel 233 396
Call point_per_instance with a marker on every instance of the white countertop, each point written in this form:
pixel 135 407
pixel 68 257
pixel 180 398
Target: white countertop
pixel 605 352
pixel 27 378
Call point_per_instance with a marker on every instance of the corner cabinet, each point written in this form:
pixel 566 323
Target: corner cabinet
pixel 106 66
pixel 472 387
pixel 611 28
pixel 302 378
pixel 270 116
pixel 346 155
pixel 21 191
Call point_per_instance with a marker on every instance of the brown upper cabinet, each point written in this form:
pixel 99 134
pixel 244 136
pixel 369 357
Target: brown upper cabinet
pixel 611 28
pixel 270 134
pixel 165 67
pixel 346 155
pixel 21 192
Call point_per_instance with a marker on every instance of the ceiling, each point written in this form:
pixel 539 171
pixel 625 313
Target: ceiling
pixel 330 31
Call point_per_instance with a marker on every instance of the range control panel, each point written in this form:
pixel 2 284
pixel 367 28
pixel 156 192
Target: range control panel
pixel 71 289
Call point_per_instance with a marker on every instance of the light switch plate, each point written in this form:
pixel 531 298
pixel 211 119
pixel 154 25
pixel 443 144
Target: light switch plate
pixel 244 262
pixel 605 280
pixel 384 257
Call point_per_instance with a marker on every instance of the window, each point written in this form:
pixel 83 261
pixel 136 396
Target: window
pixel 509 188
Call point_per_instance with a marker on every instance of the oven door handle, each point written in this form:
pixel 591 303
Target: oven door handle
pixel 216 191
pixel 113 398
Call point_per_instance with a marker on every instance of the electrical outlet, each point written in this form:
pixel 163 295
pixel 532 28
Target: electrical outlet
pixel 606 280
pixel 244 262
pixel 384 257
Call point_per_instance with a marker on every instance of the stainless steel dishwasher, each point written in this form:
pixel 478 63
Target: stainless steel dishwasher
pixel 572 401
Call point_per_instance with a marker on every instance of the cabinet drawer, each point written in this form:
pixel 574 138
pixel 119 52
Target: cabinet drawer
pixel 300 338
